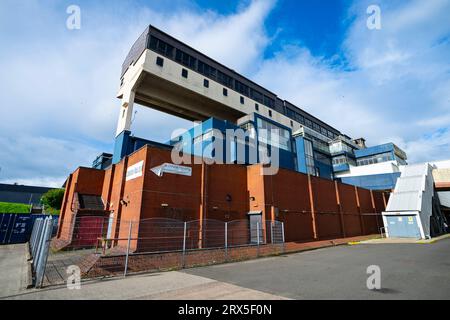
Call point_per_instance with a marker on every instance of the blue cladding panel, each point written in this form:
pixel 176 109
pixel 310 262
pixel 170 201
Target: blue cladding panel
pixel 126 144
pixel 341 167
pixel 121 146
pixel 388 147
pixel 374 182
pixel 325 171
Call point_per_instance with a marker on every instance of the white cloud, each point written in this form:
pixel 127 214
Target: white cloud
pixel 396 87
pixel 43 161
pixel 60 85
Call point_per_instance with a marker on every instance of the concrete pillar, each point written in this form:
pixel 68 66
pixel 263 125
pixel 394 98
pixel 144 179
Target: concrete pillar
pixel 126 112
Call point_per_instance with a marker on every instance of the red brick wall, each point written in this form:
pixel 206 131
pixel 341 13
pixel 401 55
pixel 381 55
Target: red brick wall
pixel 285 197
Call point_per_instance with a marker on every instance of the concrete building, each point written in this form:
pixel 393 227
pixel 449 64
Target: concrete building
pixel 325 187
pixel 163 73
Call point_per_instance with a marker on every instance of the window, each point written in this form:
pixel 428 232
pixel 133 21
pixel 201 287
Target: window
pixel 206 83
pixel 160 61
pixel 269 102
pixel 224 79
pixel 257 96
pixel 184 73
pixel 185 59
pixel 382 157
pixel 271 134
pixel 242 100
pixel 161 47
pixel 270 113
pixel 256 107
pixel 225 92
pixel 308 123
pixel 206 70
pixel 309 157
pixel 290 113
pixel 241 88
pixel 316 127
pixel 292 123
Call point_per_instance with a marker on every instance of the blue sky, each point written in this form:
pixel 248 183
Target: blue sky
pixel 59 108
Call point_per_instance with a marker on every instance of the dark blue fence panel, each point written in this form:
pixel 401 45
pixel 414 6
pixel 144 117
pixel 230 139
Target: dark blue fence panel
pixel 16 228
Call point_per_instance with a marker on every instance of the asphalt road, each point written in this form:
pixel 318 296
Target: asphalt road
pixel 408 271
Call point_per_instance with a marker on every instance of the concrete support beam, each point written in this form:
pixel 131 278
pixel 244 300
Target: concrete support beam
pixel 126 112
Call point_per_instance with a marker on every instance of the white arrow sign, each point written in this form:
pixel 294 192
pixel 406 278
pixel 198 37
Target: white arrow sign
pixel 172 168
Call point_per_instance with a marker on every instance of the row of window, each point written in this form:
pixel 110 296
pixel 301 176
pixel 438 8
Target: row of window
pixel 382 157
pixel 208 71
pixel 187 60
pixel 185 73
pixel 343 160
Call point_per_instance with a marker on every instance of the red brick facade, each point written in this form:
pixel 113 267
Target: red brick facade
pixel 311 208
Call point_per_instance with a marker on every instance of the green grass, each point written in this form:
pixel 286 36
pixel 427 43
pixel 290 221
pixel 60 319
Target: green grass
pixel 8 207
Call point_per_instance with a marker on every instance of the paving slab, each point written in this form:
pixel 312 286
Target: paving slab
pixel 14 267
pixel 166 285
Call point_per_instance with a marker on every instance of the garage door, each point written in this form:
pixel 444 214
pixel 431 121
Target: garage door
pixel 403 226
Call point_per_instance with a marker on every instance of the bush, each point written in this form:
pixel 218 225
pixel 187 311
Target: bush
pixel 53 199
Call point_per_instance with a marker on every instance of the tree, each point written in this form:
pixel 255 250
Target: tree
pixel 53 198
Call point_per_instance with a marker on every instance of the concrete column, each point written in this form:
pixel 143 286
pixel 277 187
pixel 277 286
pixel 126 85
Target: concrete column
pixel 126 112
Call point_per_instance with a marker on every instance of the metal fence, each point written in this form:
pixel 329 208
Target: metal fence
pixel 101 246
pixel 39 247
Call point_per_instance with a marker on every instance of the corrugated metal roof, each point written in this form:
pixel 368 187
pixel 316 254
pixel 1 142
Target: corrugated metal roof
pixel 405 201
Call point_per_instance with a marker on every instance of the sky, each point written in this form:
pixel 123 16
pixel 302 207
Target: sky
pixel 59 108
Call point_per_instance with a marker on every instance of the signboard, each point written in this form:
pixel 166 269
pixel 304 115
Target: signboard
pixel 134 171
pixel 172 168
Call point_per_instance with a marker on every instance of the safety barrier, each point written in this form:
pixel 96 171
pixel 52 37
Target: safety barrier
pixel 39 247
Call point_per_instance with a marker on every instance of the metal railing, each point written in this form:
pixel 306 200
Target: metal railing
pixel 39 247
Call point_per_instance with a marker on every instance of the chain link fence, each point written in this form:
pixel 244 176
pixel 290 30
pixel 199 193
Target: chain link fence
pixel 101 246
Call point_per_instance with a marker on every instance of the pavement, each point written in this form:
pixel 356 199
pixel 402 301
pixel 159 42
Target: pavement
pixel 408 271
pixel 155 286
pixel 13 264
pixel 402 240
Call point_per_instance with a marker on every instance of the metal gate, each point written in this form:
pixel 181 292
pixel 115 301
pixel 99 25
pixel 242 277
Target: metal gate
pixel 403 226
